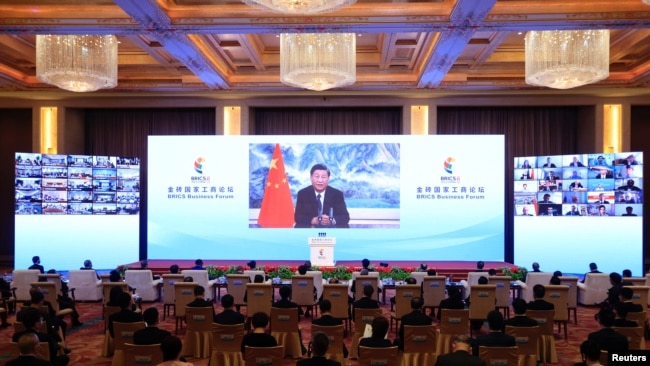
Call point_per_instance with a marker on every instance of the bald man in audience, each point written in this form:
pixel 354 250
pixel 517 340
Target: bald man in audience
pixel 27 345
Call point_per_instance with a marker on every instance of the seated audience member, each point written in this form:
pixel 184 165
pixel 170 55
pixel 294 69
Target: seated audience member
pixel 307 265
pixel 626 273
pixel 114 296
pixel 257 279
pixel 620 317
pixel 363 272
pixel 590 353
pixel 613 293
pixel 423 267
pixel 151 334
pixel 258 337
pixel 476 324
pixel 520 319
pixel 431 272
pixel 492 272
pixel 539 303
pixel 555 280
pixel 408 281
pixel 125 315
pixel 173 269
pixel 454 300
pixel 365 264
pixel 593 268
pixel 171 348
pixel 536 267
pixel 27 344
pixel 239 270
pixel 286 303
pixel 319 345
pixel 252 265
pixel 557 273
pixel 36 264
pixel 88 266
pixel 607 338
pixel 198 265
pixel 366 302
pixel 378 338
pixel 199 299
pixel 114 276
pixel 415 317
pixel 229 316
pixel 626 299
pixel 65 302
pixel 496 337
pixel 479 266
pixel 31 318
pixel 460 355
pixel 52 322
pixel 327 320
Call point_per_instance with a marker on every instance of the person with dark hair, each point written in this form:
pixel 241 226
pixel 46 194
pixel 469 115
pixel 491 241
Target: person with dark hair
pixel 607 338
pixel 625 297
pixel 88 266
pixel 378 338
pixel 36 264
pixel 453 301
pixel 415 317
pixel 307 265
pixel 492 272
pixel 590 353
pixel 363 272
pixel 173 269
pixel 539 303
pixel 319 345
pixel 285 300
pixel 620 317
pixel 626 273
pixel 613 293
pixel 151 334
pixel 557 273
pixel 423 267
pixel 496 337
pixel 144 264
pixel 52 322
pixel 30 318
pixel 27 345
pixel 114 276
pixel 319 205
pixel 536 267
pixel 520 319
pixel 365 264
pixel 228 316
pixel 258 337
pixel 125 315
pixel 198 264
pixel 327 320
pixel 479 266
pixel 555 280
pixel 366 302
pixel 593 268
pixel 460 355
pixel 114 295
pixel 199 299
pixel 171 348
pixel 432 272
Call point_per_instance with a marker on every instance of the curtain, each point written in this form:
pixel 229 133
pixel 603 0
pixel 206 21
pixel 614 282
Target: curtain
pixel 527 131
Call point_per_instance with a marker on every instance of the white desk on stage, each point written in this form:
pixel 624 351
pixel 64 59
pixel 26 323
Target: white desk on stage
pixel 321 251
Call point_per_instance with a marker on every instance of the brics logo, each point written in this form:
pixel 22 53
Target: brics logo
pixel 321 252
pixel 198 164
pixel 449 164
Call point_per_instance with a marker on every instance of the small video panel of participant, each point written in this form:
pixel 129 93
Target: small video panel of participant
pixel 55 208
pixel 628 159
pixel 550 210
pixel 104 208
pixel 547 185
pixel 28 190
pixel 601 160
pixel 601 185
pixel 525 210
pixel 575 161
pixel 549 198
pixel 28 159
pixel 55 160
pixel 104 197
pixel 575 173
pixel 104 185
pixel 104 173
pixel 80 209
pixel 578 185
pixel 628 171
pixel 104 162
pixel 28 171
pixel 80 173
pixel 55 172
pixel 629 184
pixel 525 162
pixel 55 196
pixel 601 209
pixel 27 208
pixel 127 162
pixel 601 197
pixel 628 210
pixel 80 196
pixel 80 161
pixel 527 174
pixel 526 186
pixel 574 209
pixel 628 197
pixel 525 198
pixel 574 197
pixel 549 161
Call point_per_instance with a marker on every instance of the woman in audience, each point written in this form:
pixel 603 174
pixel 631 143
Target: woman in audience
pixel 378 338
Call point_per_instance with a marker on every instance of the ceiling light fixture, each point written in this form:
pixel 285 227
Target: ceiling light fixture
pixel 299 6
pixel 77 63
pixel 566 59
pixel 318 61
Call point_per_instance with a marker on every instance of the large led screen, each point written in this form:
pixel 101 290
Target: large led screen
pixel 387 197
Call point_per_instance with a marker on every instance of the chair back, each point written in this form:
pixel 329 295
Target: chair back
pixel 532 279
pixel 635 339
pixel 433 290
pixel 363 317
pixel 454 321
pixel 499 356
pixel 201 277
pixel 594 289
pixel 227 338
pixel 502 293
pixel 558 296
pixel 318 282
pixel 169 294
pixel 138 355
pixel 639 317
pixel 142 281
pixel 183 295
pixel 123 333
pixel 403 296
pixel 472 279
pixel 284 320
pixel 21 280
pixel 544 320
pixel 640 295
pixel 86 284
pixel 527 339
pixel 199 319
pixel 259 298
pixel 572 296
pixel 635 281
pixel 335 335
pixel 361 281
pixel 42 352
pixel 419 277
pixel 237 287
pixel 54 278
pixel 264 356
pixel 252 273
pixel 48 289
pixel 372 356
pixel 419 338
pixel 107 286
pixel 302 290
pixel 482 301
pixel 107 312
pixel 337 294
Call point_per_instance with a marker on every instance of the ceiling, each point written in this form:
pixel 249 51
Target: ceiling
pixel 206 45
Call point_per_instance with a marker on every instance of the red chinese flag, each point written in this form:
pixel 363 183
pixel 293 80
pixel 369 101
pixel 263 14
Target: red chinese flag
pixel 277 206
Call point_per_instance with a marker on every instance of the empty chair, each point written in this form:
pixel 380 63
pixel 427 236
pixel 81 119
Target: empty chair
pixel 418 276
pixel 21 281
pixel 558 296
pixel 482 301
pixel 640 295
pixel 634 336
pixel 527 339
pixel 302 291
pixel 87 286
pixel 318 282
pixel 361 318
pixel 142 355
pixel 499 356
pixel 546 345
pixel 284 328
pixel 594 289
pixel 419 345
pixel 169 294
pixel 183 295
pixel 337 294
pixel 142 281
pixel 108 347
pixel 370 356
pixel 201 277
pixel 123 334
pixel 502 293
pixel 237 287
pixel 572 296
pixel 266 356
pixel 198 335
pixel 433 291
pixel 226 345
pixel 403 296
pixel 259 297
pixel 335 336
pixel 452 323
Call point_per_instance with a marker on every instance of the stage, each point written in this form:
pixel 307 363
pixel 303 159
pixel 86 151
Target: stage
pixel 456 269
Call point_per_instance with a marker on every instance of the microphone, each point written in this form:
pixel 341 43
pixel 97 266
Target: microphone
pixel 320 215
pixel 332 222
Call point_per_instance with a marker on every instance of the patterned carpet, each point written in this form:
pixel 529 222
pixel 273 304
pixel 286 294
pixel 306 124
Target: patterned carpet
pixel 86 341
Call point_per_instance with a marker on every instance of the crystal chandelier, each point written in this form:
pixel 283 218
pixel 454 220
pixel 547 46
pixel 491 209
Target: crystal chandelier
pixel 566 59
pixel 318 61
pixel 299 6
pixel 77 63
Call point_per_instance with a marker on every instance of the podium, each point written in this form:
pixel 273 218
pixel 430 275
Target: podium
pixel 321 251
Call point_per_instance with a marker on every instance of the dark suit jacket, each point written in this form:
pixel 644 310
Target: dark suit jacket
pixel 493 339
pixel 257 340
pixel 317 361
pixel 415 317
pixel 150 335
pixel 375 343
pixel 624 323
pixel 540 304
pixel 37 266
pixel 609 340
pixel 123 316
pixel 520 321
pixel 43 338
pixel 327 321
pixel 201 303
pixel 229 317
pixel 307 207
pixel 450 304
pixel 28 361
pixel 459 358
pixel 632 307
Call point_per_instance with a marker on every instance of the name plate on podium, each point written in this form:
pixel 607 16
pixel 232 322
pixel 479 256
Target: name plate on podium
pixel 321 251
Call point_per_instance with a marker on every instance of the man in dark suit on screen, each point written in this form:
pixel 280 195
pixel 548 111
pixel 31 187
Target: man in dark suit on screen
pixel 320 205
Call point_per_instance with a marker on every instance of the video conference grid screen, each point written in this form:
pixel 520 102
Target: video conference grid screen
pixel 396 197
pixel 602 194
pixel 69 208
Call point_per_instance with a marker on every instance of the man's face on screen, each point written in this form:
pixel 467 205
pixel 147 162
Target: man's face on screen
pixel 319 180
